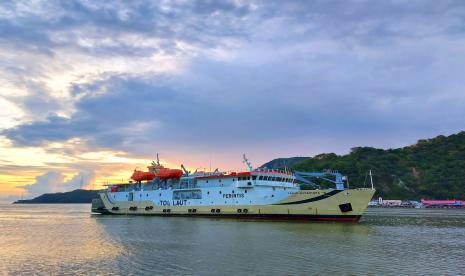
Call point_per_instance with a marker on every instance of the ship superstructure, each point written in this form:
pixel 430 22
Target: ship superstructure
pixel 256 194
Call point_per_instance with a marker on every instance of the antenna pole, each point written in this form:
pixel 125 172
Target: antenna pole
pixel 371 180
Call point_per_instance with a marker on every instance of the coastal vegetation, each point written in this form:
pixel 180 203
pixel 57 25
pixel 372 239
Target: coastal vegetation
pixel 431 168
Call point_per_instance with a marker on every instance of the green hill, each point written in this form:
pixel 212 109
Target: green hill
pixel 433 168
pixel 283 162
pixel 76 196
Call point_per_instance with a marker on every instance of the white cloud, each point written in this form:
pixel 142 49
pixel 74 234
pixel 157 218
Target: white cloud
pixel 54 181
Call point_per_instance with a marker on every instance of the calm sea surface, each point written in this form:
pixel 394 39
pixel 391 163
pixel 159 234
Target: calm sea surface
pixel 68 240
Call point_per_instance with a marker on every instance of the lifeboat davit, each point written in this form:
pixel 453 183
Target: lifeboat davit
pixel 142 176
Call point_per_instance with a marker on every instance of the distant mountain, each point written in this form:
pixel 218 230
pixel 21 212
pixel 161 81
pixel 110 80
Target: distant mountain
pixel 283 162
pixel 432 168
pixel 76 196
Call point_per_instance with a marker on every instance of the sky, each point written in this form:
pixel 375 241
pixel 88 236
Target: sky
pixel 90 90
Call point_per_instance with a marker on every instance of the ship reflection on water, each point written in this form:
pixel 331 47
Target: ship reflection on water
pixel 66 239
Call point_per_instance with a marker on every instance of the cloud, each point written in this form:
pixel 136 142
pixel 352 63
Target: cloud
pixel 54 181
pixel 268 77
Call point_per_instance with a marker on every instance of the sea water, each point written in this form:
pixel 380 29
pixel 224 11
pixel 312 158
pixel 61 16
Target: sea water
pixel 66 239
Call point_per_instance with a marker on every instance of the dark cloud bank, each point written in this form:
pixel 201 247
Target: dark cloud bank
pixel 327 75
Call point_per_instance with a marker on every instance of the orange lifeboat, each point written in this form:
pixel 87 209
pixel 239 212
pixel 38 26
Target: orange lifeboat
pixel 169 173
pixel 141 176
pixel 163 174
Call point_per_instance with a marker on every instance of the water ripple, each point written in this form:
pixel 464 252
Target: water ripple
pixel 68 240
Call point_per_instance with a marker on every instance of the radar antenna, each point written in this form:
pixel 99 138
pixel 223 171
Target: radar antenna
pixel 246 161
pixel 158 160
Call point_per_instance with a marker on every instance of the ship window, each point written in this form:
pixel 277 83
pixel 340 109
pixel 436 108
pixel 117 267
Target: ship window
pixel 159 194
pixel 232 192
pixel 212 210
pixel 193 194
pixel 220 192
pixel 272 195
pixel 273 178
pixel 218 210
pixel 265 178
pixel 248 177
pixel 233 179
pixel 207 181
pixel 254 177
pixel 260 177
pixel 245 191
pixel 219 180
pixel 208 193
pixel 147 195
pixel 239 178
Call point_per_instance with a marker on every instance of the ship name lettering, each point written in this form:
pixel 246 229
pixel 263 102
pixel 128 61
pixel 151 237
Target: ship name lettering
pixel 164 203
pixel 233 195
pixel 179 202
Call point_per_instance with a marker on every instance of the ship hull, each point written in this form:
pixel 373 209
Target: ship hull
pixel 309 205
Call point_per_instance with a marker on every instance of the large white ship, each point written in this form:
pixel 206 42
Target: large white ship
pixel 253 194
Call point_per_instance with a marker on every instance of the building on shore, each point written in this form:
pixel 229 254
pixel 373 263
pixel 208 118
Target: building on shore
pixel 443 203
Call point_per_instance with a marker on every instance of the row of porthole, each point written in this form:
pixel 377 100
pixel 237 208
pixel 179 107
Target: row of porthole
pixel 133 208
pixel 208 192
pixel 220 192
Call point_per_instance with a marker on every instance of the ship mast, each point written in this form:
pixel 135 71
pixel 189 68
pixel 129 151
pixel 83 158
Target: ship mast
pixel 371 180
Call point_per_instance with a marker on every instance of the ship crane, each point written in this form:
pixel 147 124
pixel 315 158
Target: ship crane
pixel 186 172
pixel 246 161
pixel 339 178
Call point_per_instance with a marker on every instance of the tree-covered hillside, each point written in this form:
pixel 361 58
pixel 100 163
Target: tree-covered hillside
pixel 433 168
pixel 283 162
